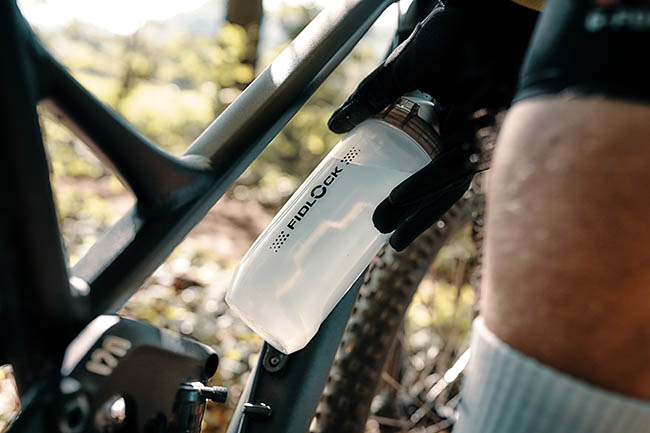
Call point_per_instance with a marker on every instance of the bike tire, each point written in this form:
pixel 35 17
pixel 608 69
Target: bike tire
pixel 389 285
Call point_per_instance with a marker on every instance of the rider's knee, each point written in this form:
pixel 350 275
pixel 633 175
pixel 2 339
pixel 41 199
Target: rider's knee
pixel 567 237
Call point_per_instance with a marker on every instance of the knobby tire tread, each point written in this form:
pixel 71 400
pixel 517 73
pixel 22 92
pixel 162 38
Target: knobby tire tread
pixel 389 285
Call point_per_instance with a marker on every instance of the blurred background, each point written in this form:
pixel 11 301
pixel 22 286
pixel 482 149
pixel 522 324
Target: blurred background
pixel 170 68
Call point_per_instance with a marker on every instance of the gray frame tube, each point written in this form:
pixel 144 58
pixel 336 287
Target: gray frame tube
pixel 137 244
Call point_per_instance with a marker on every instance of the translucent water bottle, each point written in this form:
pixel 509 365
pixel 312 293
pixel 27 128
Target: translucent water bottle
pixel 323 238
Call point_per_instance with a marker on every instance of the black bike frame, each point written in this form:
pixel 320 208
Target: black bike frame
pixel 41 312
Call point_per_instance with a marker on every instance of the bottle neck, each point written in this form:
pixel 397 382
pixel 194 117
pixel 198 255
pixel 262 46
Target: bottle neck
pixel 404 115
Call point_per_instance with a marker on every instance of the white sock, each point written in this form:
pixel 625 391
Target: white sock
pixel 505 391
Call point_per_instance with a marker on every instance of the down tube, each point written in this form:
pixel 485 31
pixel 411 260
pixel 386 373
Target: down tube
pixel 293 390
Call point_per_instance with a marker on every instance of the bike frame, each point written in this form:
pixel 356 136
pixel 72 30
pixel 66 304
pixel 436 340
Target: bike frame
pixel 44 305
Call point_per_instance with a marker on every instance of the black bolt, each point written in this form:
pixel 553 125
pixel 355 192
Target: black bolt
pixel 261 410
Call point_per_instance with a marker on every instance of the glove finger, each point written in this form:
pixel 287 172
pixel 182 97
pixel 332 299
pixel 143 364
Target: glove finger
pixel 428 59
pixel 387 217
pixel 445 169
pixel 374 93
pixel 467 48
pixel 426 217
pixel 388 82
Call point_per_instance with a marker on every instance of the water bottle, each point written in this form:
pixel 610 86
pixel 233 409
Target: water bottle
pixel 323 238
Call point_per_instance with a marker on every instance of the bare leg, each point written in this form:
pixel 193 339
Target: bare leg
pixel 568 239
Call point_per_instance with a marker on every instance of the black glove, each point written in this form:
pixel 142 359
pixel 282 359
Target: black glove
pixel 467 56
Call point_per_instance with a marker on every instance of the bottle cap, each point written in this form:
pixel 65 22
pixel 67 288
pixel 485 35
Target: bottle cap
pixel 416 116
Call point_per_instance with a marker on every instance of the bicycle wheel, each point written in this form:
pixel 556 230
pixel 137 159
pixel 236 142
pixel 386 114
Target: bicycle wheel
pixel 389 286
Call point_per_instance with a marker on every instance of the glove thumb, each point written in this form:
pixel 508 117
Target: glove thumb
pixel 374 93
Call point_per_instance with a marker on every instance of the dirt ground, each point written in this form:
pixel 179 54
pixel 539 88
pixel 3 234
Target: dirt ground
pixel 226 232
pixel 231 227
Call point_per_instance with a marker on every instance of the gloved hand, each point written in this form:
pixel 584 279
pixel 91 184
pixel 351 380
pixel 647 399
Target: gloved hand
pixel 467 56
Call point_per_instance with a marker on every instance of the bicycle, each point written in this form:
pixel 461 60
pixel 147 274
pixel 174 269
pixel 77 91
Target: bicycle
pixel 112 366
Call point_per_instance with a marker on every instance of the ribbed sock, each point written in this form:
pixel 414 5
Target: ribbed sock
pixel 505 391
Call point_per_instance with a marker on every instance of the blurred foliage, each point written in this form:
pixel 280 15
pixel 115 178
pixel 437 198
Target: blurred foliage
pixel 171 89
pixel 444 305
pixel 295 18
